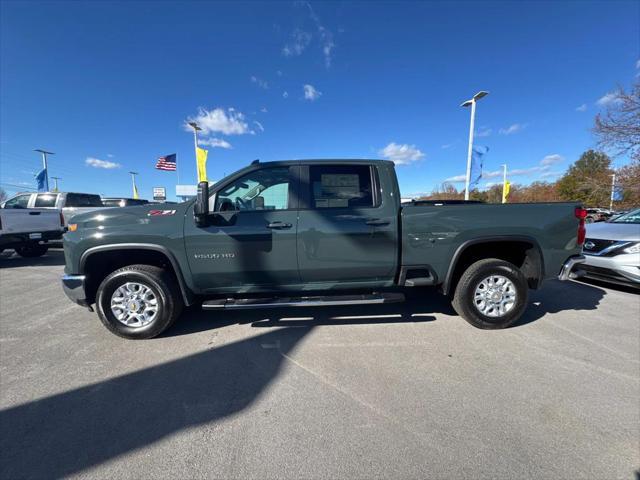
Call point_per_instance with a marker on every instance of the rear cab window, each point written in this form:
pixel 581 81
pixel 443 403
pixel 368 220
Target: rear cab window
pixel 82 200
pixel 341 186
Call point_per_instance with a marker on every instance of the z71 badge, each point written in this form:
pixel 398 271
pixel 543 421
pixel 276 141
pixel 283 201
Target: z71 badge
pixel 155 213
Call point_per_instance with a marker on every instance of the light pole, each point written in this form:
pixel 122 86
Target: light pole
pixel 133 184
pixel 44 165
pixel 196 128
pixel 613 189
pixel 55 184
pixel 504 182
pixel 472 103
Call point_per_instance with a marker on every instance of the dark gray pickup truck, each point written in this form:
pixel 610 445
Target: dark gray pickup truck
pixel 312 233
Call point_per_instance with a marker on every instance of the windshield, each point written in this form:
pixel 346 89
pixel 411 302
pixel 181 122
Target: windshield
pixel 631 217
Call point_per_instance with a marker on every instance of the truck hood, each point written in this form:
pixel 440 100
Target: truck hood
pixel 614 231
pixel 140 214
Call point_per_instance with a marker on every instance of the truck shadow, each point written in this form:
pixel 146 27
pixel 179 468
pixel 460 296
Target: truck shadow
pixel 53 258
pixel 71 431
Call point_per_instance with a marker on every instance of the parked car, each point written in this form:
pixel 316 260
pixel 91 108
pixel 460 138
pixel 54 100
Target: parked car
pixel 612 250
pixel 28 230
pixel 596 215
pixel 69 203
pixel 313 233
pixel 123 202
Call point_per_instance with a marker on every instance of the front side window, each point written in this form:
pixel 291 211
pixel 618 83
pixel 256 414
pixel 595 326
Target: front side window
pixel 20 201
pixel 341 186
pixel 46 200
pixel 264 189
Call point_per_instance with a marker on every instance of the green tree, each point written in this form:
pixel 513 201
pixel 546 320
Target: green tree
pixel 588 180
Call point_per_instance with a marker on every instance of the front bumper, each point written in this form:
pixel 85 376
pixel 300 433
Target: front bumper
pixel 73 286
pixel 566 272
pixel 622 269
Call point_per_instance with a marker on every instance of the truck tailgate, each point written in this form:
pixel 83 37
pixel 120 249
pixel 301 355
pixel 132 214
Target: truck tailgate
pixel 29 220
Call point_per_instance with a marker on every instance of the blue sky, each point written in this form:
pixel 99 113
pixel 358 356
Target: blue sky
pixel 109 85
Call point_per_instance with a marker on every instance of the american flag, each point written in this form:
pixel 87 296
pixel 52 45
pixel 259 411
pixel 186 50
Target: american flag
pixel 167 162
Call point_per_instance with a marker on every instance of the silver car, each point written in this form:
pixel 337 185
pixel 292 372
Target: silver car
pixel 612 250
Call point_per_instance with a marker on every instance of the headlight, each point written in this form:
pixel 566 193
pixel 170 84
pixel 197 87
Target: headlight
pixel 73 227
pixel 635 248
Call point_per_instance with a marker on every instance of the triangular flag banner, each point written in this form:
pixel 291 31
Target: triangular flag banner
pixel 201 159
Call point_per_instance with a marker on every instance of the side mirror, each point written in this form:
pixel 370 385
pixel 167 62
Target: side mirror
pixel 201 207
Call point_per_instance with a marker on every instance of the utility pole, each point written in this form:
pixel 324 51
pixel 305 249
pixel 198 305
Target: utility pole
pixel 133 184
pixel 471 103
pixel 613 189
pixel 196 128
pixel 55 184
pixel 44 165
pixel 504 182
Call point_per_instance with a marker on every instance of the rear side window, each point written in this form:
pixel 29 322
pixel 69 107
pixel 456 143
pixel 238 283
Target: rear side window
pixel 46 200
pixel 82 200
pixel 341 186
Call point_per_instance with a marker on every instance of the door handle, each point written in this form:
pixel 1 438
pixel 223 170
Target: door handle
pixel 279 225
pixel 377 222
pixel 34 213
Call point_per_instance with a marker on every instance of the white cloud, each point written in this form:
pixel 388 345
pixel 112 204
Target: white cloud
pixel 608 99
pixel 511 129
pixel 551 159
pixel 297 44
pixel 482 132
pixel 456 179
pixel 97 163
pixel 549 174
pixel 259 125
pixel 264 110
pixel 229 122
pixel 279 73
pixel 638 64
pixel 401 154
pixel 110 155
pixel 285 94
pixel 326 37
pixel 446 145
pixel 215 143
pixel 260 82
pixel 310 92
pixel 582 108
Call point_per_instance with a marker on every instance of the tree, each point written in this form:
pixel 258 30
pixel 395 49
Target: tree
pixel 628 178
pixel 618 129
pixel 588 180
pixel 3 195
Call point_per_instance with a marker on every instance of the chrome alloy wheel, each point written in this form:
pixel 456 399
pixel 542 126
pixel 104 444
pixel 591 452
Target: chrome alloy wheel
pixel 495 296
pixel 134 304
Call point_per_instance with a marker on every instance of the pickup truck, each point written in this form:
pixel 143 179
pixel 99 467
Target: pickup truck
pixel 311 233
pixel 69 203
pixel 28 230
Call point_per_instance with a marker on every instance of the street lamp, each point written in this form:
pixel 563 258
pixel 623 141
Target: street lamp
pixel 472 103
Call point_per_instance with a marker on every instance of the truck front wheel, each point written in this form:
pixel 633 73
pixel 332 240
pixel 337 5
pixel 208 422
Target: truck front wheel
pixel 138 301
pixel 491 294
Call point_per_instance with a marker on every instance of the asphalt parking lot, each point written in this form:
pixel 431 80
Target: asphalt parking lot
pixel 398 391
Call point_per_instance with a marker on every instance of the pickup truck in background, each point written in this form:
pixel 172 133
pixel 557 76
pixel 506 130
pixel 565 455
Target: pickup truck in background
pixel 68 203
pixel 28 230
pixel 312 233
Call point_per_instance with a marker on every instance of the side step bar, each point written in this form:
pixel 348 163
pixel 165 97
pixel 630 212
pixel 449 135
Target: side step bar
pixel 318 301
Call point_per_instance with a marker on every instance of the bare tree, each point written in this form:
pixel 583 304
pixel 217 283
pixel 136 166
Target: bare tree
pixel 618 128
pixel 3 195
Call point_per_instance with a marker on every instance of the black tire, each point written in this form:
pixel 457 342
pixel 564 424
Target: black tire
pixel 163 286
pixel 32 250
pixel 463 298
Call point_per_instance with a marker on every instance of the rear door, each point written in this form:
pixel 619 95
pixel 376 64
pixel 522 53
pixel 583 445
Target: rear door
pixel 257 248
pixel 347 230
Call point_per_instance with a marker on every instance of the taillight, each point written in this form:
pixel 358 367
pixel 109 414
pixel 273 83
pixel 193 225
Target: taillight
pixel 581 214
pixel 61 219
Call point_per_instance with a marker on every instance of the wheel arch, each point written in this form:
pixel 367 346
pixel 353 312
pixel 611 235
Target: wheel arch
pixel 524 251
pixel 123 254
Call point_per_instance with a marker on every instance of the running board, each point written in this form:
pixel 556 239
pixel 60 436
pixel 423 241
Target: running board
pixel 319 301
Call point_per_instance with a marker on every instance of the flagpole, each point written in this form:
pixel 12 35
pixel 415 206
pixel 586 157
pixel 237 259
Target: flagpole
pixel 613 187
pixel 44 166
pixel 504 182
pixel 195 127
pixel 133 182
pixel 472 103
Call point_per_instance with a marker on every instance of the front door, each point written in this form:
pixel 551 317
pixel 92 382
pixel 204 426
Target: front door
pixel 257 248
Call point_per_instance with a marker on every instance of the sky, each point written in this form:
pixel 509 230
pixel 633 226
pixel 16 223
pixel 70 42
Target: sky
pixel 108 86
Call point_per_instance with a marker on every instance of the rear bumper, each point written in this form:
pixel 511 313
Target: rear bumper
pixel 566 272
pixel 73 286
pixel 10 240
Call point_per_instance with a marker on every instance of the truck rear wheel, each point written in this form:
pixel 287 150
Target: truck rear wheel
pixel 32 250
pixel 138 301
pixel 491 294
